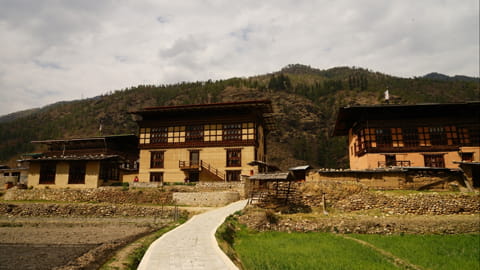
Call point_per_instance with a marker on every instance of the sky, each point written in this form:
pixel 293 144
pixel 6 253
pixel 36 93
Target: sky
pixel 53 50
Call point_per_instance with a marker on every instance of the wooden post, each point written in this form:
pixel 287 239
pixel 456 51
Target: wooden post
pixel 324 202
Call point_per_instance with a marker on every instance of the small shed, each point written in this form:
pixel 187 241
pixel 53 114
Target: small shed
pixel 300 172
pixel 271 187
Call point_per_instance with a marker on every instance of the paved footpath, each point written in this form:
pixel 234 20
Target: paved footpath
pixel 192 245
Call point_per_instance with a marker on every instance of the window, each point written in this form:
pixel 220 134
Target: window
pixel 176 134
pixel 156 159
pixel 232 132
pixel 410 137
pixel 194 133
pixel 438 136
pixel 47 173
pixel 159 135
pixel 436 161
pixel 390 160
pixel 76 173
pixel 466 156
pixel 156 177
pixel 397 137
pixel 248 131
pixel 464 136
pixel 383 137
pixel 424 136
pixel 452 135
pixel 109 171
pixel 234 157
pixel 233 175
pixel 213 133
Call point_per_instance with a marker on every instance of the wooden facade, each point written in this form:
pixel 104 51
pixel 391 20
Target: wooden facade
pixel 424 135
pixel 83 162
pixel 202 142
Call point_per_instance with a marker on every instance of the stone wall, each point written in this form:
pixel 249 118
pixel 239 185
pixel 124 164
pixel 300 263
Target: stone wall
pixel 209 187
pixel 430 203
pixel 103 194
pixel 83 210
pixel 396 179
pixel 205 198
pixel 311 192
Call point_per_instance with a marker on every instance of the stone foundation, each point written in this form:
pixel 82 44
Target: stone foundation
pixel 205 198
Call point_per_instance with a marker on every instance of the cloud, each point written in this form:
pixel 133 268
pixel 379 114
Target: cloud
pixel 61 50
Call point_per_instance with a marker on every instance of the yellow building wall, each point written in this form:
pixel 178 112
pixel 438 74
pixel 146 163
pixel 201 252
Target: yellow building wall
pixel 215 156
pixel 61 178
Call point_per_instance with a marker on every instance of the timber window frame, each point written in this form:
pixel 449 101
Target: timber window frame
pixel 156 177
pixel 234 157
pixel 76 172
pixel 383 137
pixel 434 160
pixel 194 133
pixel 157 159
pixel 233 175
pixel 48 172
pixel 232 132
pixel 109 170
pixel 159 135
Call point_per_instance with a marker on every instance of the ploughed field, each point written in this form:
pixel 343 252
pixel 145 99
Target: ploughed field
pixel 71 241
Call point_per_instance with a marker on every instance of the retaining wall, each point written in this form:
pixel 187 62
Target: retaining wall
pixel 103 194
pixel 205 198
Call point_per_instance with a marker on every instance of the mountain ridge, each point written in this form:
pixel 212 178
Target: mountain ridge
pixel 305 101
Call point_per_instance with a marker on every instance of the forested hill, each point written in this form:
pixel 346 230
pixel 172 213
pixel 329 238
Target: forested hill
pixel 305 101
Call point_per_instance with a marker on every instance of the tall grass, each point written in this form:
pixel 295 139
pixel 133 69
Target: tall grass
pixel 431 251
pixel 276 250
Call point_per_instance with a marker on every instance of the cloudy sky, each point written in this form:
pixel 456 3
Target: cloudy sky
pixel 63 50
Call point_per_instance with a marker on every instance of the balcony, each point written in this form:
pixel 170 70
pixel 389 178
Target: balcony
pixel 189 165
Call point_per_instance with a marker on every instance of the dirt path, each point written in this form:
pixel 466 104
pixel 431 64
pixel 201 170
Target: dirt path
pixel 394 259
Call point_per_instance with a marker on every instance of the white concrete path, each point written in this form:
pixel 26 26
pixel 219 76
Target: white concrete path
pixel 192 245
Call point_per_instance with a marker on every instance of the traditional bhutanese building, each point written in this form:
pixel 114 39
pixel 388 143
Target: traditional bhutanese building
pixel 83 162
pixel 423 135
pixel 202 142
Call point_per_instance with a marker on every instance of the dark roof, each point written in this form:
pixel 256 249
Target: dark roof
pixel 300 168
pixel 74 157
pixel 281 176
pixel 263 105
pixel 99 138
pixel 260 108
pixel 349 115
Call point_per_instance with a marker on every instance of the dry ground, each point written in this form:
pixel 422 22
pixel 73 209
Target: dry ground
pixel 74 242
pixel 67 243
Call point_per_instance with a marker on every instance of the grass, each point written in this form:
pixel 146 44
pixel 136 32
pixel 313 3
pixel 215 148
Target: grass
pixel 277 250
pixel 280 250
pixel 460 251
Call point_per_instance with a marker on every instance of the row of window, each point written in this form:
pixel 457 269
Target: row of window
pixel 198 133
pixel 415 136
pixel 231 175
pixel 233 158
pixel 76 172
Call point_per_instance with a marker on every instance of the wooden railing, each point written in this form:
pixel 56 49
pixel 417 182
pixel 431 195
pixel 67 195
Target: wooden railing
pixel 195 165
pixel 188 164
pixel 396 163
pixel 212 170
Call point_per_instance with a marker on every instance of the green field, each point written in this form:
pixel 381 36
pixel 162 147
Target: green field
pixel 277 250
pixel 431 251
